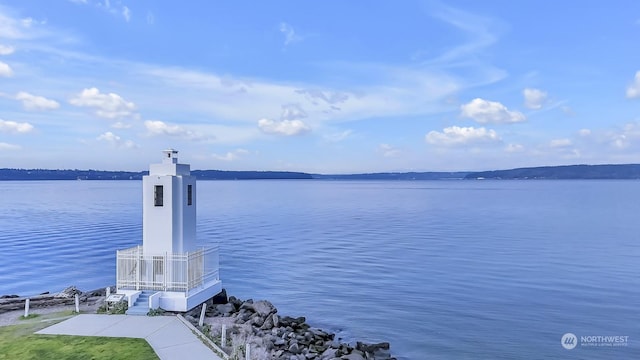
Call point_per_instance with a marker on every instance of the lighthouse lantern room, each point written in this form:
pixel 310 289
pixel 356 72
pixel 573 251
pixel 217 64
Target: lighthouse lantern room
pixel 169 271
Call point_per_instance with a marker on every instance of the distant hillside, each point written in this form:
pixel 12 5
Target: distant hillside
pixel 628 171
pixel 44 174
pixel 624 171
pixel 396 176
pixel 247 175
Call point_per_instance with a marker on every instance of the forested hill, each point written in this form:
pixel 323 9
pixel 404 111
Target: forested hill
pixel 45 174
pixel 396 176
pixel 626 171
pixel 623 171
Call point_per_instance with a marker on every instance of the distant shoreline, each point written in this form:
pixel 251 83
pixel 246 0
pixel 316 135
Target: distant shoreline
pixel 565 172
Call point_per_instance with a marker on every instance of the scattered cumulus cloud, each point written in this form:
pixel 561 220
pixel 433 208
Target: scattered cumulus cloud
pixel 157 127
pixel 116 141
pixel 456 135
pixel 6 50
pixel 283 127
pixel 151 19
pixel 126 13
pixel 231 155
pixel 514 148
pixel 9 126
pixel 8 147
pixel 110 106
pixel 484 111
pixel 625 137
pixel 290 35
pixel 33 102
pixel 534 98
pixel 567 110
pixel 560 143
pixel 314 96
pixel 584 132
pixel 292 112
pixel 116 9
pixel 5 70
pixel 338 136
pixel 633 91
pixel 14 28
pixel 388 150
pixel 121 125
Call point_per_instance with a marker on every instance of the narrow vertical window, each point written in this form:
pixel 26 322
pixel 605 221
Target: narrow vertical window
pixel 157 195
pixel 189 194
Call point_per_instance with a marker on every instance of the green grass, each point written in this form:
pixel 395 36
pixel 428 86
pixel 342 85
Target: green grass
pixel 30 316
pixel 20 342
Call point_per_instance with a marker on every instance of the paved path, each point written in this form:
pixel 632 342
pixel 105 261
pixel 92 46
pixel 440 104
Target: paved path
pixel 167 335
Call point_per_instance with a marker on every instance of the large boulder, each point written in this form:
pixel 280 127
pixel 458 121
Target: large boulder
pixel 264 308
pixel 225 309
pixel 69 292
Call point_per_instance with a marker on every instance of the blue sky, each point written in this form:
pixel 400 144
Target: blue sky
pixel 324 87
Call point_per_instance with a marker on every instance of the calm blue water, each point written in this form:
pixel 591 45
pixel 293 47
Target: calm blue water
pixel 442 270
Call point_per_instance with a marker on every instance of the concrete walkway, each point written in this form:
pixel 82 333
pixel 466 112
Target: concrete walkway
pixel 167 335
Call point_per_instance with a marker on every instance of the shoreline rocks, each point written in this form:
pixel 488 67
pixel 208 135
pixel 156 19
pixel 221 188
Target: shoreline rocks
pixel 273 336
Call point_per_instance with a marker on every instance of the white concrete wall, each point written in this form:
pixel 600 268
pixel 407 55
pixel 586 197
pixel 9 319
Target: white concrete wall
pixel 189 215
pixel 170 228
pixel 157 221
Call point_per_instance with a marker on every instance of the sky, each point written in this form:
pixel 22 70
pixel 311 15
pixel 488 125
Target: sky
pixel 319 86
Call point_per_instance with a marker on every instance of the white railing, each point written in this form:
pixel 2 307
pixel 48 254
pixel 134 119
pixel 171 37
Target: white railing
pixel 166 272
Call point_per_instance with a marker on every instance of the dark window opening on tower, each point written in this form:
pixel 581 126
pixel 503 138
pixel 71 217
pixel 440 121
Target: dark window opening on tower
pixel 157 195
pixel 189 194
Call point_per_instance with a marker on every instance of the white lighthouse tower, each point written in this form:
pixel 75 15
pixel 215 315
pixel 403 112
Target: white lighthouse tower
pixel 169 270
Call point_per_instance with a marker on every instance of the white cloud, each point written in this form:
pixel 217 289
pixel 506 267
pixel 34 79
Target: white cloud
pixel 110 106
pixel 6 50
pixel 484 111
pixel 109 137
pixel 633 91
pixel 560 143
pixel 514 148
pixel 584 132
pixel 290 35
pixel 456 135
pixel 33 102
pixel 292 112
pixel 567 110
pixel 389 150
pixel 338 136
pixel 126 13
pixel 13 28
pixel 9 126
pixel 283 127
pixel 121 125
pixel 534 98
pixel 151 19
pixel 5 70
pixel 231 155
pixel 394 92
pixel 116 140
pixel 624 138
pixel 157 127
pixel 6 146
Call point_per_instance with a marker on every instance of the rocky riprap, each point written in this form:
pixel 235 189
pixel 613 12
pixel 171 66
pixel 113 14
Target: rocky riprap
pixel 272 336
pixel 65 297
